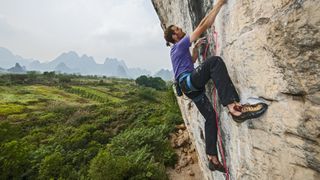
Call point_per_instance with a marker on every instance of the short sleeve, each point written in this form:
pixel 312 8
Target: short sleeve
pixel 184 43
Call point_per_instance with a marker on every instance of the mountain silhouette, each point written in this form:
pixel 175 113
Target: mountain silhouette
pixel 71 62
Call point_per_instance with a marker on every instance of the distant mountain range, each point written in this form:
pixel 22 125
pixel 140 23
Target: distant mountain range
pixel 71 62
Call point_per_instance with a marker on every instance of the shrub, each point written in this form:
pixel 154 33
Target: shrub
pixel 8 132
pixel 143 166
pixel 136 165
pixel 51 166
pixel 147 94
pixel 64 79
pixel 14 159
pixel 154 139
pixel 107 166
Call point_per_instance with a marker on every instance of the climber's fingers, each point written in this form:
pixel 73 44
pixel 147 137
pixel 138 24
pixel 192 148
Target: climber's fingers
pixel 200 41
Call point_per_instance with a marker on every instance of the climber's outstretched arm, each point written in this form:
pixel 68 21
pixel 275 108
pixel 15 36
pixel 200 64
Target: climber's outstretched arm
pixel 207 21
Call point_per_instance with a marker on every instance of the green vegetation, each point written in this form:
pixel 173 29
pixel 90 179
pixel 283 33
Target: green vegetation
pixel 154 82
pixel 55 126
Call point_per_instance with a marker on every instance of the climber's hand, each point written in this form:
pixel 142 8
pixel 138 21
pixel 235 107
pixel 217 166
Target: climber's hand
pixel 200 41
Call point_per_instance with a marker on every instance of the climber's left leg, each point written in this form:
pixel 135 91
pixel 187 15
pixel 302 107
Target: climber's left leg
pixel 205 107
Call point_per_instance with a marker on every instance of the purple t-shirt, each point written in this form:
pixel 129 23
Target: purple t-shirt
pixel 180 57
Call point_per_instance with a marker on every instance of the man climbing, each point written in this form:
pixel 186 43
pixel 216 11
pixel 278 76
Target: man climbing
pixel 192 82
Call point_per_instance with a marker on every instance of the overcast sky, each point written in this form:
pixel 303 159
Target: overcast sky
pixel 124 29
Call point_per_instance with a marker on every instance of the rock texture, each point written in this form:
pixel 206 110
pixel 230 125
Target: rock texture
pixel 187 167
pixel 272 52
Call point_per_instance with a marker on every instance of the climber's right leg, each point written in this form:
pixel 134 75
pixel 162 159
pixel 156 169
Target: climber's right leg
pixel 214 68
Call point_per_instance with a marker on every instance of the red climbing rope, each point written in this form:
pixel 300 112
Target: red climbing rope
pixel 215 36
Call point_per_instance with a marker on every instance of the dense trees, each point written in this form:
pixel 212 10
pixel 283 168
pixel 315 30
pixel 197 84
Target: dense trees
pixel 154 82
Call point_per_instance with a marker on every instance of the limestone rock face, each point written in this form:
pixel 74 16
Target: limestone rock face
pixel 272 52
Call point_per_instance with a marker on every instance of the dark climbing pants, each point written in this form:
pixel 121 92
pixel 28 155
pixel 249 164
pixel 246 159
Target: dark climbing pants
pixel 215 69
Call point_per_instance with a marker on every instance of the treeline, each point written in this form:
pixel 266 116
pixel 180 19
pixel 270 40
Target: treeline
pixel 52 78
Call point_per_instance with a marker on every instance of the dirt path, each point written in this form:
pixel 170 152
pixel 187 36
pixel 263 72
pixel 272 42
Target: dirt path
pixel 187 167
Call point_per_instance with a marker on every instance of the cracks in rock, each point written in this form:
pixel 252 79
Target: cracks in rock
pixel 256 148
pixel 231 43
pixel 303 166
pixel 268 99
pixel 270 153
pixel 309 150
pixel 262 21
pixel 313 163
pixel 298 96
pixel 259 22
pixel 299 136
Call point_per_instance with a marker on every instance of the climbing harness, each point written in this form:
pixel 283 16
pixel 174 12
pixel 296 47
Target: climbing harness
pixel 215 41
pixel 185 83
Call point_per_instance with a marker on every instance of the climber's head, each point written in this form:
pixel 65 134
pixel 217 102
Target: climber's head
pixel 173 34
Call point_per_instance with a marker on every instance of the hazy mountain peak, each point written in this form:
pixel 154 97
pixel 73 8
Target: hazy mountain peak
pixel 17 65
pixel 62 67
pixel 69 55
pixel 165 74
pixel 17 69
pixel 111 60
pixel 88 58
pixel 85 57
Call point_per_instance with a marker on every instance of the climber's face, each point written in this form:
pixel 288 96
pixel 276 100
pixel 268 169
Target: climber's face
pixel 178 33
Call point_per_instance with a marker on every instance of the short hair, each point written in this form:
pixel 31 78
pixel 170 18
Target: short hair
pixel 168 35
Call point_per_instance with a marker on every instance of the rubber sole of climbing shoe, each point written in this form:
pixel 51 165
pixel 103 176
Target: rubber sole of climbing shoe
pixel 251 114
pixel 214 167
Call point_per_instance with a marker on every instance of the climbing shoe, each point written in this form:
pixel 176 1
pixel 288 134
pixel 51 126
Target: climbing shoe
pixel 216 167
pixel 249 111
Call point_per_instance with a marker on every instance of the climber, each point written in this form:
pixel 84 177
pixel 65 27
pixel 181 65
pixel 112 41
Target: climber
pixel 193 80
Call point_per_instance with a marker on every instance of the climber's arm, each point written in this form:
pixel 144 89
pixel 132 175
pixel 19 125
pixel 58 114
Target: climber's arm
pixel 207 21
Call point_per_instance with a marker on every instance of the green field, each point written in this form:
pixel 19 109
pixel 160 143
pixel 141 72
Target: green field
pixel 75 127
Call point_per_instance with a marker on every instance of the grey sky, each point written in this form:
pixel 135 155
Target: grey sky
pixel 124 29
